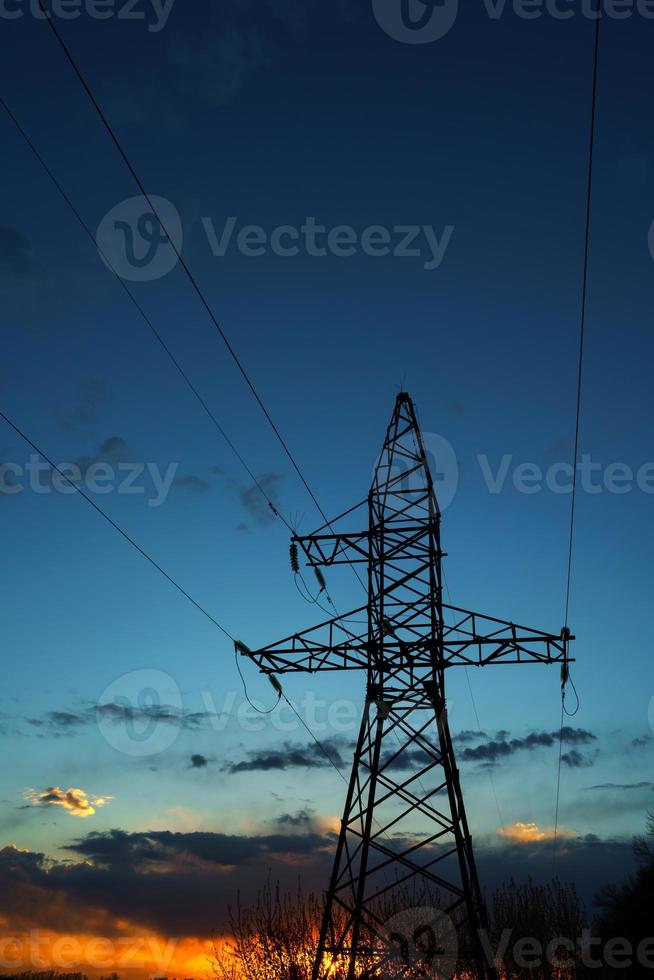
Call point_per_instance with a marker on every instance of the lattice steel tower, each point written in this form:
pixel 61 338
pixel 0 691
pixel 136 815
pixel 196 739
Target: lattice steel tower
pixel 404 823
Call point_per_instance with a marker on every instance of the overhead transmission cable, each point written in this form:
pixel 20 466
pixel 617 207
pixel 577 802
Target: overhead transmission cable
pixel 30 143
pixel 137 547
pixel 185 267
pixel 275 510
pixel 57 184
pixel 582 331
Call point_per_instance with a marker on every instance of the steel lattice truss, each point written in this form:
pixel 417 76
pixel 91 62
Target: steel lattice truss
pixel 404 824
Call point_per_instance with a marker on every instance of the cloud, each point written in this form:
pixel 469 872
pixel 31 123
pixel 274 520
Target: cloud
pixel 303 818
pixel 621 786
pixel 59 724
pixel 255 503
pixel 468 736
pixel 199 761
pixel 16 256
pixel 74 801
pixel 192 482
pixel 162 714
pixel 529 833
pixel 179 884
pixel 503 747
pixel 642 741
pixel 91 394
pixel 290 756
pixel 408 759
pixel 577 760
pixel 152 849
pixel 115 448
pixel 218 65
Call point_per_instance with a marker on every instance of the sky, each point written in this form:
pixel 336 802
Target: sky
pixel 418 210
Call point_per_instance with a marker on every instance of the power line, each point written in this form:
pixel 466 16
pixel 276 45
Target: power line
pixel 582 330
pixel 584 301
pixel 194 283
pixel 137 547
pixel 155 564
pixel 30 143
pixel 256 482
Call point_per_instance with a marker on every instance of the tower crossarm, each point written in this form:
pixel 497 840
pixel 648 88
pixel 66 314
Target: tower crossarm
pixel 473 639
pixel 331 645
pixel 335 549
pixel 468 639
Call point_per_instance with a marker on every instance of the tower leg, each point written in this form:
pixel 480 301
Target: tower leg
pixel 381 865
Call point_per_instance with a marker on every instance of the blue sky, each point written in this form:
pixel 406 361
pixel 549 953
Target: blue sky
pixel 273 113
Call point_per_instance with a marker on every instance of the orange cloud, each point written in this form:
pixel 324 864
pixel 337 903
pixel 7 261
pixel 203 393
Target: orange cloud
pixel 531 833
pixel 74 801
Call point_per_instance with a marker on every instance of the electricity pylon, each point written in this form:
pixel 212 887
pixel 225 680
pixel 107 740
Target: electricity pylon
pixel 397 833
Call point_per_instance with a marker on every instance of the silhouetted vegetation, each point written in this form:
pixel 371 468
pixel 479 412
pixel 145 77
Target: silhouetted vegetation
pixel 627 911
pixel 538 931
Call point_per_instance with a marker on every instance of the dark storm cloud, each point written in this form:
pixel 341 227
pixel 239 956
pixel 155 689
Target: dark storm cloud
pixel 16 256
pixel 290 756
pixel 148 850
pixel 587 861
pixel 502 748
pixel 180 884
